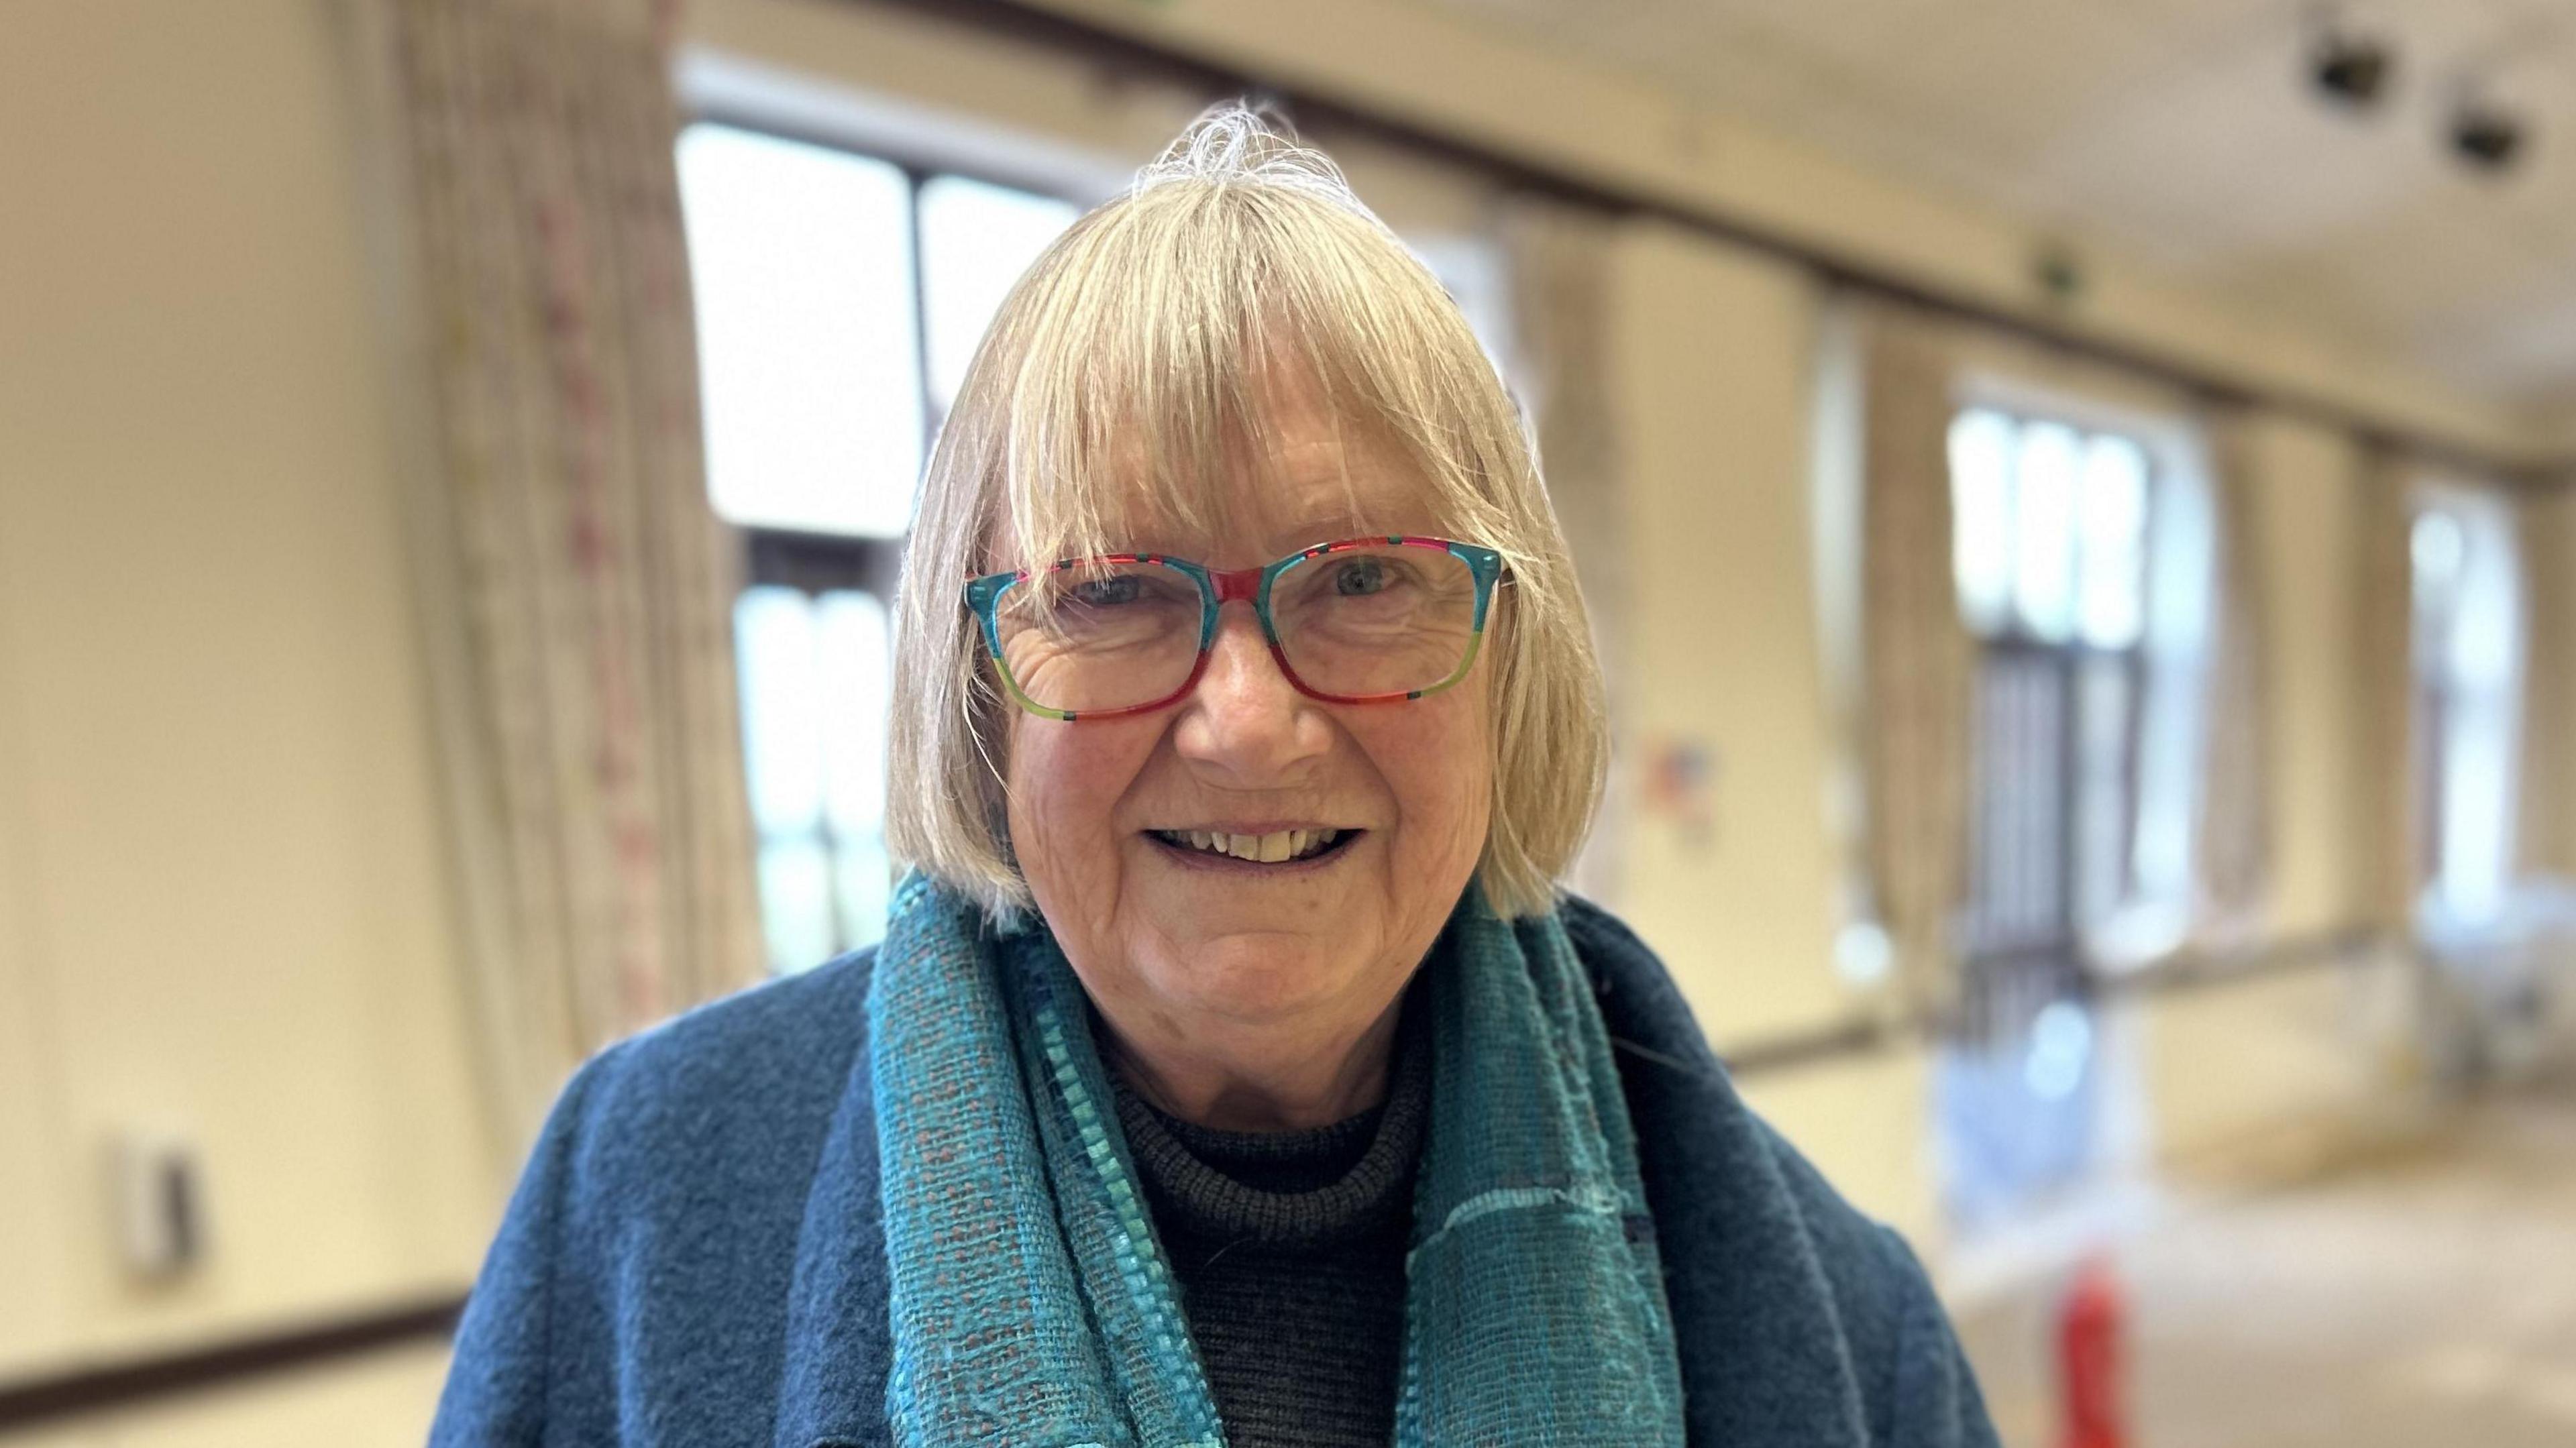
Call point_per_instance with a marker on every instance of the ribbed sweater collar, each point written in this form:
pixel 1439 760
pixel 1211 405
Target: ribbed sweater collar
pixel 1315 1187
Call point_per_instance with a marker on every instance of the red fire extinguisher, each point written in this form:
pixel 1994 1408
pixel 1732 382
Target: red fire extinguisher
pixel 2089 1358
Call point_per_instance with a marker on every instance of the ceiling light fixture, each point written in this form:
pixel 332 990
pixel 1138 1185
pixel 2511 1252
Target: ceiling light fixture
pixel 2485 134
pixel 2348 68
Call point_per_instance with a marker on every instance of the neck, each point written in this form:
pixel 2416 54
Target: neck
pixel 1271 1084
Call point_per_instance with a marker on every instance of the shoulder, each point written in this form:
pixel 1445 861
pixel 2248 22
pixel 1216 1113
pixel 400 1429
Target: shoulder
pixel 653 1233
pixel 686 1152
pixel 754 1074
pixel 769 1037
pixel 1743 1218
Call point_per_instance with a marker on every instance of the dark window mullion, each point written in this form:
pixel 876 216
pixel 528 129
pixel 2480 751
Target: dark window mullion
pixel 2073 698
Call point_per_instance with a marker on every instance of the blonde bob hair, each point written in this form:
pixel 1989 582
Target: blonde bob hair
pixel 1129 367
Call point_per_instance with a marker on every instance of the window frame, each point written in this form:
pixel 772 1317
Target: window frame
pixel 2148 916
pixel 818 563
pixel 2444 705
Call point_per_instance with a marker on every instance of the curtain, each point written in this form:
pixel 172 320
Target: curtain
pixel 1916 655
pixel 2388 865
pixel 2545 532
pixel 576 588
pixel 1559 258
pixel 2235 818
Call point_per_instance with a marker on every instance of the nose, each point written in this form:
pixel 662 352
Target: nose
pixel 1244 720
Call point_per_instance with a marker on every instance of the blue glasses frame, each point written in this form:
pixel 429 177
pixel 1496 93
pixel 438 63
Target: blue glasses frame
pixel 1217 587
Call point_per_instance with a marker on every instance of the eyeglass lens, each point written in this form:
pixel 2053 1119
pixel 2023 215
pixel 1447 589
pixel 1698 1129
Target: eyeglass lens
pixel 1357 622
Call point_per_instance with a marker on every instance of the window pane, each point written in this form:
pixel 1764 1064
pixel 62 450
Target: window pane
pixel 2017 831
pixel 801 259
pixel 2439 546
pixel 853 683
pixel 2486 633
pixel 816 689
pixel 2477 821
pixel 2471 643
pixel 781 717
pixel 796 903
pixel 976 240
pixel 2112 512
pixel 2044 530
pixel 855 679
pixel 864 883
pixel 2104 715
pixel 1981 523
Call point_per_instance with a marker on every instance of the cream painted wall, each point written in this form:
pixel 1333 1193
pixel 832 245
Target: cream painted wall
pixel 1712 371
pixel 35 1311
pixel 221 899
pixel 2312 1054
pixel 944 93
pixel 1865 1122
pixel 2299 1061
pixel 1710 376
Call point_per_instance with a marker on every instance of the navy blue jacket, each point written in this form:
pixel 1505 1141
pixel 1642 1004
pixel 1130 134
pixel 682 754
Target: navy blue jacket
pixel 695 1256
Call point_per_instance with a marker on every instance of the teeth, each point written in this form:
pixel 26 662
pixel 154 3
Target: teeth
pixel 1269 849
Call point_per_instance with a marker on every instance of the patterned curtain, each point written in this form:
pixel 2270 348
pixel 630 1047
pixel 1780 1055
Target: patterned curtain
pixel 2235 818
pixel 1559 257
pixel 576 587
pixel 1917 660
pixel 2389 859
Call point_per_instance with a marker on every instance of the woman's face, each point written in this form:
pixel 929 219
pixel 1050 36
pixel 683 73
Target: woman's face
pixel 1185 946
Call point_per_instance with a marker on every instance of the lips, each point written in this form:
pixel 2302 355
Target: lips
pixel 1270 848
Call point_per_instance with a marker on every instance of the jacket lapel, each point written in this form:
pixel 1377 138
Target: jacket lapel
pixel 832 1391
pixel 1763 1353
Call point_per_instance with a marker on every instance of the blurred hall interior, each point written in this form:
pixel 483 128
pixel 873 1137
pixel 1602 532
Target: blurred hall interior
pixel 2078 503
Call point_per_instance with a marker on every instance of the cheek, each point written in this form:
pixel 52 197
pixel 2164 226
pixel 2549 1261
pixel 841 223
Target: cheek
pixel 1438 764
pixel 1066 782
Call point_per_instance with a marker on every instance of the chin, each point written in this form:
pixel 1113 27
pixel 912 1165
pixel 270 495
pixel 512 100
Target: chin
pixel 1253 976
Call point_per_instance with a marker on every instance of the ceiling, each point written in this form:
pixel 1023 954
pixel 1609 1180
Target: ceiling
pixel 2183 134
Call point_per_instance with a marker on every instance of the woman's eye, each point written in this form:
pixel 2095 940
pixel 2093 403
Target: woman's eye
pixel 1359 578
pixel 1103 592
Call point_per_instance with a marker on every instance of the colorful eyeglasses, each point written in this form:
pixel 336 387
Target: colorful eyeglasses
pixel 1369 620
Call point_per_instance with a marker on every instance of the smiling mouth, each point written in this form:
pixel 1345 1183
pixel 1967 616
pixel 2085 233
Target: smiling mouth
pixel 1279 847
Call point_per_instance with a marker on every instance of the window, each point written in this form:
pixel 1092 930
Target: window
pixel 2080 562
pixel 2051 547
pixel 2467 654
pixel 839 300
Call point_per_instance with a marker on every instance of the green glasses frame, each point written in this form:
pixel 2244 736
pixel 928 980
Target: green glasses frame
pixel 1217 587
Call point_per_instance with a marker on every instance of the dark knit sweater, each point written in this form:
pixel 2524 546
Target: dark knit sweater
pixel 1290 1249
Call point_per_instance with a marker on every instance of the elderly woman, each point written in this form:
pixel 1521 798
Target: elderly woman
pixel 1233 1071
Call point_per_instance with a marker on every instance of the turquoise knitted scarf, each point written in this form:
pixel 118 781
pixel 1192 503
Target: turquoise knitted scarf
pixel 1031 1300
